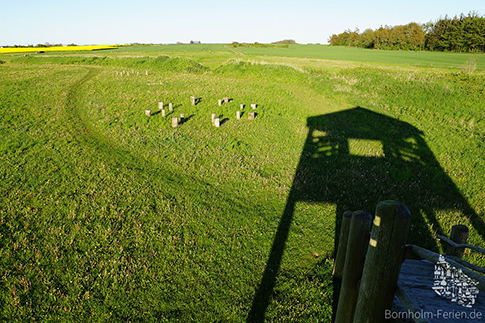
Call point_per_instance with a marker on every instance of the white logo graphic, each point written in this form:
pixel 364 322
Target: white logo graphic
pixel 453 284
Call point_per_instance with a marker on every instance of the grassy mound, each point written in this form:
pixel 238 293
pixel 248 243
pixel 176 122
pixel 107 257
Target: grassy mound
pixel 163 63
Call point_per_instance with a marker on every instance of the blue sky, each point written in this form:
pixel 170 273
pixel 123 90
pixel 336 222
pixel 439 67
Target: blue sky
pixel 26 22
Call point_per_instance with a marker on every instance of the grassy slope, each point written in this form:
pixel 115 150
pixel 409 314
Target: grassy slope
pixel 109 214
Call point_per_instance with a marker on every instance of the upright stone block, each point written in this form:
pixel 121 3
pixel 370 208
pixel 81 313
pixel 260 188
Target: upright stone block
pixel 175 122
pixel 148 112
pixel 251 115
pixel 217 122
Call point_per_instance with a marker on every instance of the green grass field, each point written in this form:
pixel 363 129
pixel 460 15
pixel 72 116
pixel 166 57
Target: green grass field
pixel 109 215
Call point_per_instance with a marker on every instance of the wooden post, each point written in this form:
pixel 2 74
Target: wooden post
pixel 226 99
pixel 170 106
pixel 213 117
pixel 175 122
pixel 182 118
pixel 217 122
pixel 148 112
pixel 459 234
pixel 238 115
pixel 338 267
pixel 358 241
pixel 383 262
pixel 160 105
pixel 163 112
pixel 251 115
pixel 219 102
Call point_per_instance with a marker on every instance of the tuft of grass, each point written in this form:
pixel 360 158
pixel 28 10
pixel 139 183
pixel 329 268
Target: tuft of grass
pixel 470 65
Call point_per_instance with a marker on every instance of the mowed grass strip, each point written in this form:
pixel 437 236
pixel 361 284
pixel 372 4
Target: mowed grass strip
pixel 340 53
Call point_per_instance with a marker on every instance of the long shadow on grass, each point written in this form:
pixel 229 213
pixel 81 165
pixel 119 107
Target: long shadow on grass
pixel 356 158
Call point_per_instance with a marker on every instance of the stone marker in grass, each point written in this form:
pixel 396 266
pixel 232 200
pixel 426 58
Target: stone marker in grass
pixel 226 99
pixel 182 118
pixel 219 102
pixel 251 115
pixel 148 112
pixel 160 105
pixel 163 112
pixel 217 122
pixel 175 122
pixel 238 115
pixel 213 117
pixel 170 106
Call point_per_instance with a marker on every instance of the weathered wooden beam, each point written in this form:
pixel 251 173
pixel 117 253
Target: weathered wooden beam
pixel 467 264
pixel 358 241
pixel 459 234
pixel 456 245
pixel 435 258
pixel 338 267
pixel 383 261
pixel 409 305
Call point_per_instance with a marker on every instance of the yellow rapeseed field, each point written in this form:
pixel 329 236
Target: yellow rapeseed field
pixel 55 48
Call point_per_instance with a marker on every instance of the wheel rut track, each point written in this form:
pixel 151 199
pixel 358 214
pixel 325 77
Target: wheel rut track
pixel 109 152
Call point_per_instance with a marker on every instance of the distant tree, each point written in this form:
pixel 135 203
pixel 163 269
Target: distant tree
pixel 459 34
pixel 367 39
pixel 285 41
pixel 415 35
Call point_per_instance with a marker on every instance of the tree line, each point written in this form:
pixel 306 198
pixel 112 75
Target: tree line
pixel 464 33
